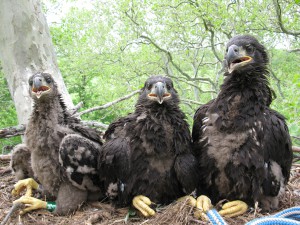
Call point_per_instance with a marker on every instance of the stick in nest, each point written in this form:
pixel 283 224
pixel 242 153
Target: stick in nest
pixel 13 209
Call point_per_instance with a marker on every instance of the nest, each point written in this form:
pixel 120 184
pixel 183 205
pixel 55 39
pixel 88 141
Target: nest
pixel 102 213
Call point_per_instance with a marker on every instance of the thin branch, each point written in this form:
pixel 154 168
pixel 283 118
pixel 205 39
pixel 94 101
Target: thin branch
pixel 279 18
pixel 13 209
pixel 191 101
pixel 94 124
pixel 212 39
pixel 107 104
pixel 12 131
pixel 277 83
pixel 298 138
pixel 296 149
pixel 294 50
pixel 170 59
pixel 76 108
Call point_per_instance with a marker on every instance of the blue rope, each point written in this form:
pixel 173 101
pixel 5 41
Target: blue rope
pixel 289 216
pixel 215 218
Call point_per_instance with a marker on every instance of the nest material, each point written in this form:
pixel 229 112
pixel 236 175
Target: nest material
pixel 106 214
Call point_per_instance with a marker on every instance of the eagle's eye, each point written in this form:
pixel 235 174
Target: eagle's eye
pixel 149 86
pixel 48 80
pixel 168 86
pixel 30 82
pixel 250 48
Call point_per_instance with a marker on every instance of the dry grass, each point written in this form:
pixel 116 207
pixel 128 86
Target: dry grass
pixel 100 213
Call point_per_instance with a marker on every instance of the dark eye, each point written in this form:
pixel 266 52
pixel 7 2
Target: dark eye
pixel 250 48
pixel 226 50
pixel 168 86
pixel 30 82
pixel 149 86
pixel 48 80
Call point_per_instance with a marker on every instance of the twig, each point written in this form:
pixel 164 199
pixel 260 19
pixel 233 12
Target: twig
pixel 94 124
pixel 191 101
pixel 296 149
pixel 12 131
pixel 13 209
pixel 279 18
pixel 294 50
pixel 107 104
pixel 76 108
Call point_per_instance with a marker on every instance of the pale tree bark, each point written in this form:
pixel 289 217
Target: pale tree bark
pixel 26 48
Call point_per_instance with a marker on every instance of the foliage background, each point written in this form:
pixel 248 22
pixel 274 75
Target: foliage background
pixel 107 49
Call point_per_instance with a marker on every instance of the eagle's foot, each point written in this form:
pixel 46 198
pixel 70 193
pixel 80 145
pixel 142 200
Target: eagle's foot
pixel 203 205
pixel 233 208
pixel 142 204
pixel 29 184
pixel 31 204
pixel 199 212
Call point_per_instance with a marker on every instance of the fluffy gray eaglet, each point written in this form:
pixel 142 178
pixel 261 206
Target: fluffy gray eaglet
pixel 243 146
pixel 64 153
pixel 146 157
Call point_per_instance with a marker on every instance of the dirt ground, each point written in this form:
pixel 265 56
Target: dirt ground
pixel 100 213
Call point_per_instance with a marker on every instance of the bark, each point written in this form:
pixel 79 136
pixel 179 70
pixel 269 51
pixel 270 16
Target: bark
pixel 26 48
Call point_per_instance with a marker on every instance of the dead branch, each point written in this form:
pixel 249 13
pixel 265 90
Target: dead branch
pixel 294 50
pixel 94 124
pixel 76 108
pixel 107 104
pixel 296 149
pixel 13 209
pixel 191 101
pixel 12 131
pixel 20 129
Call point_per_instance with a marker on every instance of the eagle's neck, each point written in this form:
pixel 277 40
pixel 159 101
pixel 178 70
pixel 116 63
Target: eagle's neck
pixel 160 111
pixel 242 98
pixel 53 110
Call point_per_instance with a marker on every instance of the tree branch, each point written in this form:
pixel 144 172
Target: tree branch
pixel 191 101
pixel 296 149
pixel 12 131
pixel 107 104
pixel 170 59
pixel 94 124
pixel 76 108
pixel 294 50
pixel 279 18
pixel 277 82
pixel 212 37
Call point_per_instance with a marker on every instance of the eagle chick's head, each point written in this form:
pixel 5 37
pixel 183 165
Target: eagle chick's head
pixel 244 53
pixel 42 86
pixel 158 90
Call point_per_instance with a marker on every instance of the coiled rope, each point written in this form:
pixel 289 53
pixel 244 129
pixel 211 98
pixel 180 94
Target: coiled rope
pixel 290 216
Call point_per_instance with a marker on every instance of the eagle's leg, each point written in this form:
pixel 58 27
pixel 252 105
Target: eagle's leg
pixel 233 208
pixel 69 199
pixel 142 203
pixel 29 184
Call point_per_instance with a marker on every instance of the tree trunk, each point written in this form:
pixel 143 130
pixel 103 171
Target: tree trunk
pixel 26 48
